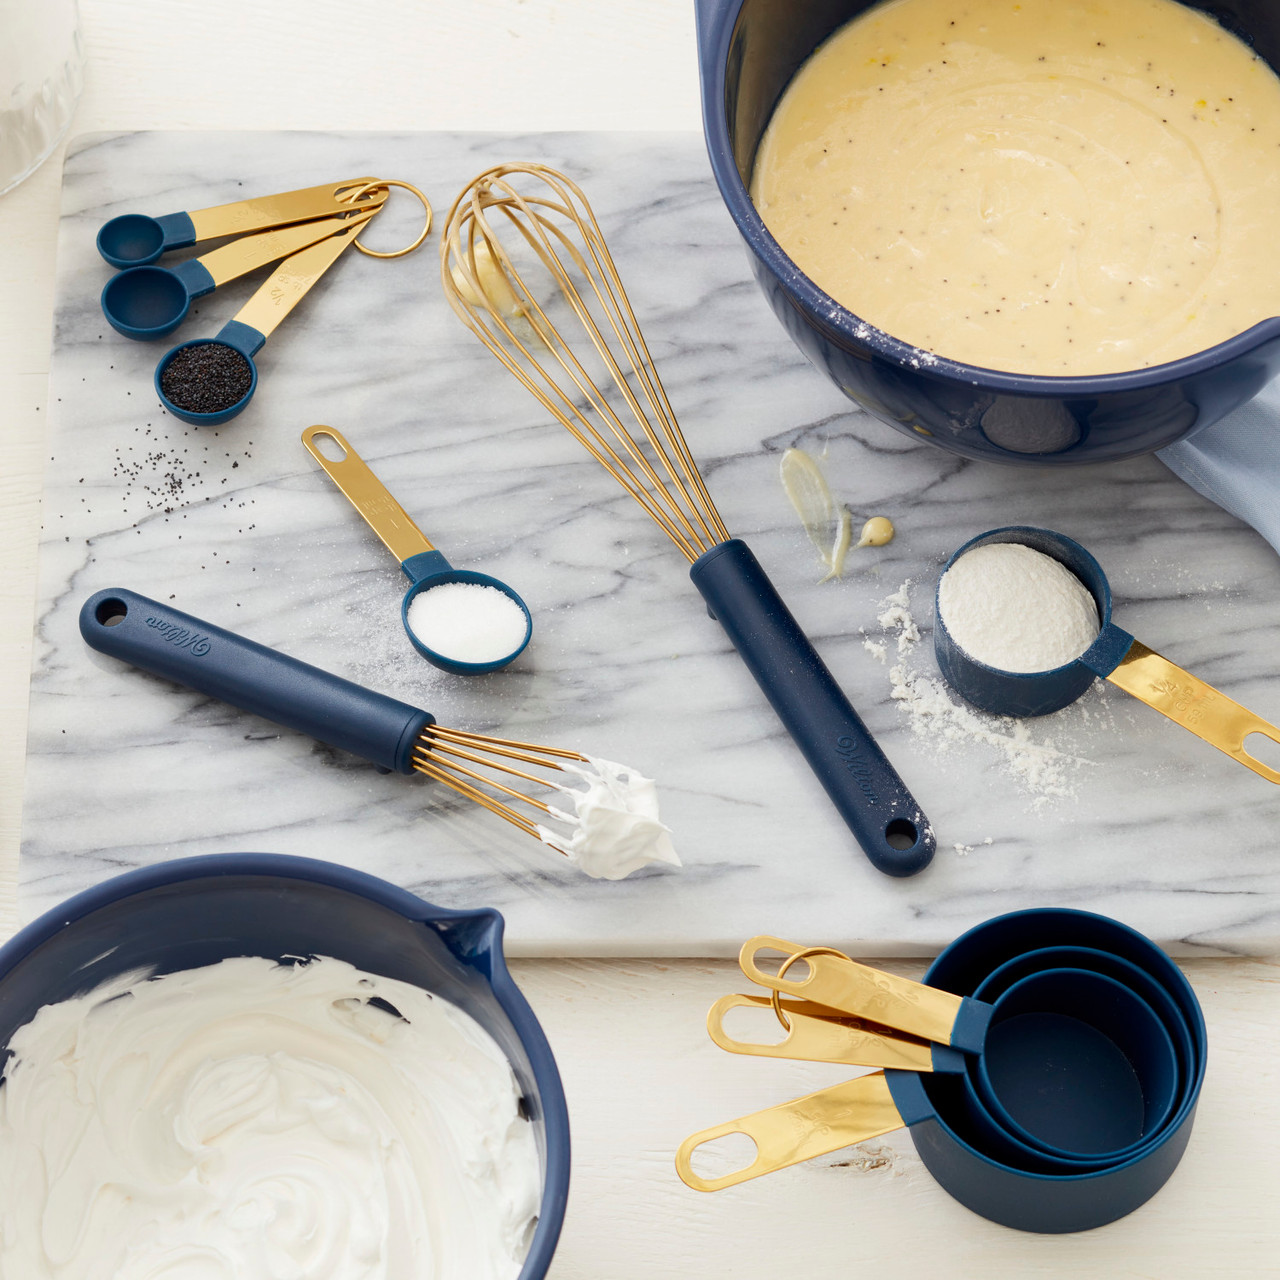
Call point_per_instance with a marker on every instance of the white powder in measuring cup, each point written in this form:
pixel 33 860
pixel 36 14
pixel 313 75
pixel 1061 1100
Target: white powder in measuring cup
pixel 1017 609
pixel 467 622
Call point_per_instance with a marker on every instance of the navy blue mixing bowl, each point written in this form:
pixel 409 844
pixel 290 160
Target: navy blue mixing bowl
pixel 198 911
pixel 748 51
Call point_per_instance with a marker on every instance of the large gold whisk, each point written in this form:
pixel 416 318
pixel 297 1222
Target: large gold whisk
pixel 472 260
pixel 506 304
pixel 439 751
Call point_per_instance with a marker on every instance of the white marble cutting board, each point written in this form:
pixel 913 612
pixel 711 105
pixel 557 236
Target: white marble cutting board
pixel 239 526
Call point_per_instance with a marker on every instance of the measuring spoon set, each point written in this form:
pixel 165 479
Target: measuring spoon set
pixel 208 381
pixel 1055 1088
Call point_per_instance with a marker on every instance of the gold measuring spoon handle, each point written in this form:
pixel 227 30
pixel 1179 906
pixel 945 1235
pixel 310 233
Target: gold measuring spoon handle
pixel 291 280
pixel 250 252
pixel 814 1125
pixel 1197 706
pixel 813 1037
pixel 286 207
pixel 383 514
pixel 852 988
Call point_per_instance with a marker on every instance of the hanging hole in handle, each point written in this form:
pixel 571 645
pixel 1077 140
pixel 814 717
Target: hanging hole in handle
pixel 1263 748
pixel 740 1021
pixel 110 613
pixel 901 834
pixel 326 444
pixel 723 1156
pixel 771 964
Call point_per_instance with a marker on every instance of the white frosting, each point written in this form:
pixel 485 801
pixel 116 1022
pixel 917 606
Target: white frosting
pixel 252 1121
pixel 615 824
pixel 1016 609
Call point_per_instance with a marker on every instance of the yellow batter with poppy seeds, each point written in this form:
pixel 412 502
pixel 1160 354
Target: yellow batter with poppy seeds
pixel 1056 187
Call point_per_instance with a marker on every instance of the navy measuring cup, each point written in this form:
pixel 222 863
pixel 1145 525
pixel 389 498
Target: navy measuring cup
pixel 1134 979
pixel 421 562
pixel 1078 1067
pixel 1114 656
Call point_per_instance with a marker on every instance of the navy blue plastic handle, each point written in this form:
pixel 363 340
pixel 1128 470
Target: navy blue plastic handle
pixel 223 665
pixel 858 777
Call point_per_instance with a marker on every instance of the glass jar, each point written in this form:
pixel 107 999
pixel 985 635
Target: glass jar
pixel 41 74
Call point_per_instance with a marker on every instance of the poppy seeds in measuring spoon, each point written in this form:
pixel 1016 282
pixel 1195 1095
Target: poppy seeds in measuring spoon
pixel 204 380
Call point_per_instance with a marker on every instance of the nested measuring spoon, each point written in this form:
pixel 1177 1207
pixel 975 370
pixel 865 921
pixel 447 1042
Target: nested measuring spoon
pixel 136 239
pixel 149 302
pixel 467 646
pixel 209 380
pixel 1114 655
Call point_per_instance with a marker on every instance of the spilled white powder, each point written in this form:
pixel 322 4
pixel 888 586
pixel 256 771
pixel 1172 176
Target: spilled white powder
pixel 616 829
pixel 467 622
pixel 1039 767
pixel 896 615
pixel 1016 609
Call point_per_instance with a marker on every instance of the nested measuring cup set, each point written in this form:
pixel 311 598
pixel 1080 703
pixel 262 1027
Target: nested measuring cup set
pixel 207 381
pixel 1048 1068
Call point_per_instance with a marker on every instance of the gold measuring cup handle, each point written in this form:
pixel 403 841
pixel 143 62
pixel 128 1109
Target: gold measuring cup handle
pixel 819 1034
pixel 370 497
pixel 852 988
pixel 1196 706
pixel 814 1125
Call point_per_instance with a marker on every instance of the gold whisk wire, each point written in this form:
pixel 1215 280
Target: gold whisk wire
pixel 439 749
pixel 503 309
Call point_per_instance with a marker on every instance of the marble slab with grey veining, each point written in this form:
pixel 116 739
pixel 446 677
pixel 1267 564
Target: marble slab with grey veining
pixel 237 525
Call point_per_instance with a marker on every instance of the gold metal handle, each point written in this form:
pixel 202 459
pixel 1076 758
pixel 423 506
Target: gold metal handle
pixel 383 514
pixel 857 989
pixel 795 1131
pixel 291 280
pixel 250 252
pixel 285 207
pixel 1196 706
pixel 813 1037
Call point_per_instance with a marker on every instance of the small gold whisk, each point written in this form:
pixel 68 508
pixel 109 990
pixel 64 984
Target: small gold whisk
pixel 391 734
pixel 437 751
pixel 521 253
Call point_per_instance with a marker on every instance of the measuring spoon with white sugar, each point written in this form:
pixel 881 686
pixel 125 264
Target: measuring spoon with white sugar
pixel 461 621
pixel 1114 655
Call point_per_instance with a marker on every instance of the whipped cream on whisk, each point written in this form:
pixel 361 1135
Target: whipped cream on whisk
pixel 615 822
pixel 256 1121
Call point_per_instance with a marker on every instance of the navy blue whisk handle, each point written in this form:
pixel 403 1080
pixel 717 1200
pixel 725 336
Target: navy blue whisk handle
pixel 862 784
pixel 220 664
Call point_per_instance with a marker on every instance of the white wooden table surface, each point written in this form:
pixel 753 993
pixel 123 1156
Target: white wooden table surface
pixel 639 1069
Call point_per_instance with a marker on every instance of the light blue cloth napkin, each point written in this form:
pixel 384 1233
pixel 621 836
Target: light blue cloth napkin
pixel 1236 462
